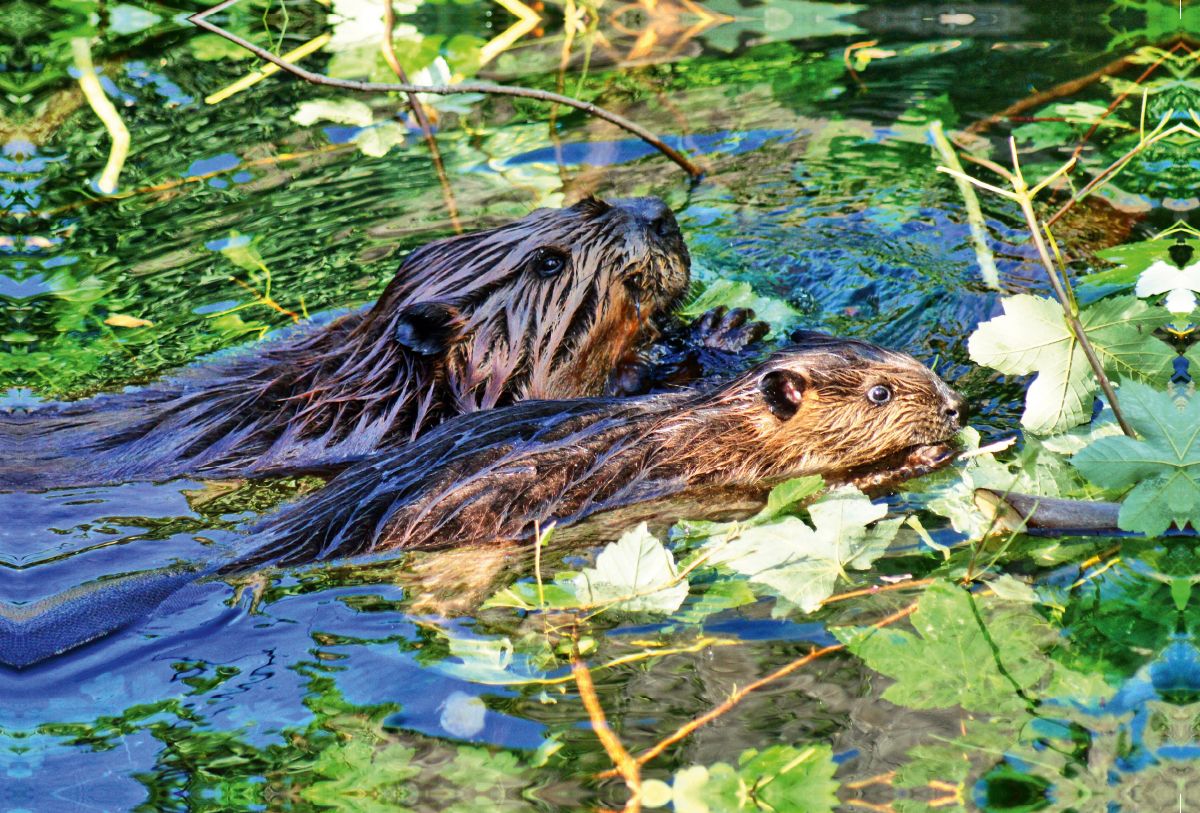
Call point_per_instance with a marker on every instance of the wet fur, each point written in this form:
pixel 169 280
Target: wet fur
pixel 489 477
pixel 467 324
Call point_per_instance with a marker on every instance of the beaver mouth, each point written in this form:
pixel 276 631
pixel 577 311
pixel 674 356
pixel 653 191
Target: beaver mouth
pixel 915 461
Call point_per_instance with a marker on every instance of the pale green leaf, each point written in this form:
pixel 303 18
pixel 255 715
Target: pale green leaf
pixel 1013 589
pixel 785 779
pixel 1033 336
pixel 775 312
pixel 376 141
pixel 785 495
pixel 339 111
pixel 801 564
pixel 635 573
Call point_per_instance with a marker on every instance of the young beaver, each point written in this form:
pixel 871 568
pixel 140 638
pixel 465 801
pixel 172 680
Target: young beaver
pixel 550 306
pixel 844 409
pixel 847 410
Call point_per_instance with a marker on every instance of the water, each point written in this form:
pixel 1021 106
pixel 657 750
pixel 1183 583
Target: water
pixel 335 687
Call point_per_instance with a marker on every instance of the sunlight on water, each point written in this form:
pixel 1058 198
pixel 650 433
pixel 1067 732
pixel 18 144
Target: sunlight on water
pixel 371 685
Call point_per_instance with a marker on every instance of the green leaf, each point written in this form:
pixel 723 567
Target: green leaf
pixel 635 573
pixel 785 495
pixel 783 778
pixel 777 313
pixel 949 661
pixel 1162 467
pixel 341 111
pixel 376 141
pixel 723 595
pixel 801 564
pixel 1033 336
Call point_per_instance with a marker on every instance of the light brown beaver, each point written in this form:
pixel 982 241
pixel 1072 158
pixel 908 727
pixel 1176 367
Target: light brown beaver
pixel 554 305
pixel 847 410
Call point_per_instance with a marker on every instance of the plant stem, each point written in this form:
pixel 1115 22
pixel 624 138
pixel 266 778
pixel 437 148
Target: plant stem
pixel 983 254
pixel 1072 318
pixel 107 182
pixel 389 56
pixel 628 768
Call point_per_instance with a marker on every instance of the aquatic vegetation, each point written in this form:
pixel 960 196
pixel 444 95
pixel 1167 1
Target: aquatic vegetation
pixel 903 654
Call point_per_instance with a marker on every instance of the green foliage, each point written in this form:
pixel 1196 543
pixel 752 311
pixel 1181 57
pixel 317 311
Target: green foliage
pixel 1033 336
pixel 634 574
pixel 953 658
pixel 779 778
pixel 775 312
pixel 801 564
pixel 1162 467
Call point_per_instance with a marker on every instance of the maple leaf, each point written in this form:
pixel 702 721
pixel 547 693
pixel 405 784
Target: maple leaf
pixel 1162 467
pixel 801 564
pixel 1033 336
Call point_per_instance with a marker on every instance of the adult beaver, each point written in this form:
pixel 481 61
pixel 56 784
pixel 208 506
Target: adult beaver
pixel 847 410
pixel 554 305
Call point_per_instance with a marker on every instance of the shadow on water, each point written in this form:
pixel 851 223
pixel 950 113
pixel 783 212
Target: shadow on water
pixel 332 687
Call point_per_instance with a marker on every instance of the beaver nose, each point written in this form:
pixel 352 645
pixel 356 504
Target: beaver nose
pixel 653 214
pixel 957 410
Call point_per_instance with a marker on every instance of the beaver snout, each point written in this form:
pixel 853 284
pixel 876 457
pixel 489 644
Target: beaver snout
pixel 956 411
pixel 652 214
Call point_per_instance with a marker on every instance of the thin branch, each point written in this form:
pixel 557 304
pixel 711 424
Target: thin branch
pixel 389 56
pixel 628 768
pixel 1158 134
pixel 254 77
pixel 736 696
pixel 445 90
pixel 1056 92
pixel 1023 195
pixel 983 254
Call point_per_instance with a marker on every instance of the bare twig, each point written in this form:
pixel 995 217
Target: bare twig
pixel 628 768
pixel 1056 92
pixel 254 77
pixel 1023 194
pixel 389 56
pixel 736 696
pixel 1156 135
pixel 445 90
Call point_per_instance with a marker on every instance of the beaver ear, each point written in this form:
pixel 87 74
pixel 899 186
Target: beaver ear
pixel 426 327
pixel 784 390
pixel 593 206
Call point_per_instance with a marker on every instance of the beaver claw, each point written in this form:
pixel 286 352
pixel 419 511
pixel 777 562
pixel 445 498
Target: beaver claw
pixel 716 344
pixel 727 330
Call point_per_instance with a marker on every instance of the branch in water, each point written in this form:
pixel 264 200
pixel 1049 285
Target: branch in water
pixel 445 90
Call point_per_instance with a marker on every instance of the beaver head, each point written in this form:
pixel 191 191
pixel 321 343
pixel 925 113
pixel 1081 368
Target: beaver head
pixel 846 409
pixel 543 307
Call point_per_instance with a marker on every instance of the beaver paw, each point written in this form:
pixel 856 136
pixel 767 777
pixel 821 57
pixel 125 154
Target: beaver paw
pixel 728 330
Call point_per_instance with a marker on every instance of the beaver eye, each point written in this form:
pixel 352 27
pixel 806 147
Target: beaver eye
pixel 549 262
pixel 879 394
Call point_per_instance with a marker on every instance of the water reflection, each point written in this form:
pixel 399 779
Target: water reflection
pixel 322 688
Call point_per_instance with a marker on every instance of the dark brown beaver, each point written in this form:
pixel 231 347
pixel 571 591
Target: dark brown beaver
pixel 840 408
pixel 550 306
